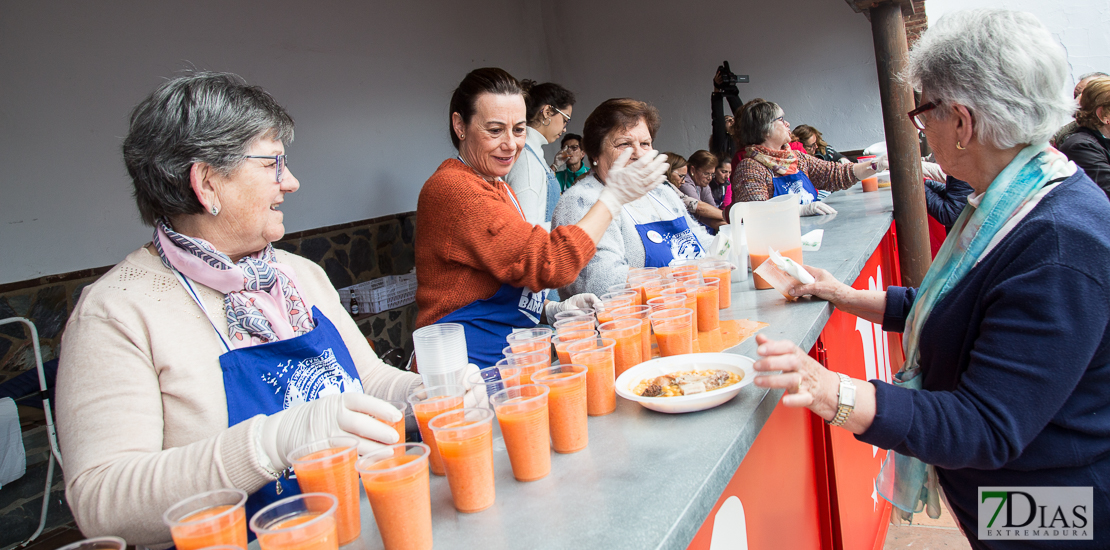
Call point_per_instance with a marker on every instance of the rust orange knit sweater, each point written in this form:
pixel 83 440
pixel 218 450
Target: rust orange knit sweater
pixel 470 239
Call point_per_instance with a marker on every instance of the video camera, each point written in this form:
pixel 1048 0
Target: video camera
pixel 729 78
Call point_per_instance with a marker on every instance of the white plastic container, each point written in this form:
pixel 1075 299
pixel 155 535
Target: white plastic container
pixel 441 354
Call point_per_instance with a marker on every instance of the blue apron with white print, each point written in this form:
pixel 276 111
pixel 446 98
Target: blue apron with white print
pixel 667 240
pixel 487 322
pixel 797 182
pixel 269 378
pixel 553 189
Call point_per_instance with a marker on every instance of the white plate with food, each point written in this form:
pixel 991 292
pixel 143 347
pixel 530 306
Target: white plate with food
pixel 686 383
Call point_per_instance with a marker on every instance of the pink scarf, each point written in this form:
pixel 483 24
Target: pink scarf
pixel 782 162
pixel 261 301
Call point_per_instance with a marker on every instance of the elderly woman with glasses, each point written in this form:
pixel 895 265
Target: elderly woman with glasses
pixel 205 357
pixel 771 168
pixel 1007 340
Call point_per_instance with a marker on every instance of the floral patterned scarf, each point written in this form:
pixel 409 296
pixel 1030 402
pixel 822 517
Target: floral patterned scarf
pixel 782 162
pixel 261 299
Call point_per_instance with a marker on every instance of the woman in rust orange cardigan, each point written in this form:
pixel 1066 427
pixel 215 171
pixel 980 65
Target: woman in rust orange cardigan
pixel 478 262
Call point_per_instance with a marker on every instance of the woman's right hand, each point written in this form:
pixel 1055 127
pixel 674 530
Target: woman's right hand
pixel 351 414
pixel 825 287
pixel 626 182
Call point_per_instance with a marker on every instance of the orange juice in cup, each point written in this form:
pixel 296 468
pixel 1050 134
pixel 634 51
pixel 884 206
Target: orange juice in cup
pixel 428 403
pixel 641 313
pixel 691 303
pixel 562 340
pixel 672 331
pixel 628 351
pixel 523 417
pixel 566 406
pixel 708 314
pixel 465 440
pixel 530 340
pixel 300 522
pixel 399 426
pixel 605 309
pixel 625 287
pixel 209 519
pixel 637 283
pixel 581 322
pixel 722 270
pixel 654 288
pixel 328 466
pixel 596 354
pixel 527 363
pixel 397 487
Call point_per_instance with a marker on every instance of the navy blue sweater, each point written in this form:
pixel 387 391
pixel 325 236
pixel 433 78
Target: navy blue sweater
pixel 1016 365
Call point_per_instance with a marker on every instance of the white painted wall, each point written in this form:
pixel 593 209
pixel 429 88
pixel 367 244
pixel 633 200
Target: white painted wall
pixel 815 58
pixel 367 82
pixel 1082 26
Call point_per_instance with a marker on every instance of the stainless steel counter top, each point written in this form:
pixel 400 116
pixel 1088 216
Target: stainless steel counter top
pixel 648 480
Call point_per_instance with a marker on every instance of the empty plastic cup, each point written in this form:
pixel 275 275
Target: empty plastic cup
pixel 571 313
pixel 642 272
pixel 582 322
pixel 465 441
pixel 328 466
pixel 566 406
pixel 522 414
pixel 98 543
pixel 672 329
pixel 441 355
pixel 428 403
pixel 400 496
pixel 628 351
pixel 596 354
pixel 209 519
pixel 300 522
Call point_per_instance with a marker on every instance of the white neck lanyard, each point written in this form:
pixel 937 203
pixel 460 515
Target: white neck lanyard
pixel 665 209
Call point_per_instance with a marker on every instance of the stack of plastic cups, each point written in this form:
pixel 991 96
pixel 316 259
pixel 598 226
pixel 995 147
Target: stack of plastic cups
pixel 722 271
pixel 441 354
pixel 672 330
pixel 564 338
pixel 641 313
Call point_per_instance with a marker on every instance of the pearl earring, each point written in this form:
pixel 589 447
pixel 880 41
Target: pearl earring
pixel 215 210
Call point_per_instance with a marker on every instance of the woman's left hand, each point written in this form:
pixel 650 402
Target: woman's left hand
pixel 807 383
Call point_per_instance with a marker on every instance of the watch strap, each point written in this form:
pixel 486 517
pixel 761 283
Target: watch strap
pixel 846 401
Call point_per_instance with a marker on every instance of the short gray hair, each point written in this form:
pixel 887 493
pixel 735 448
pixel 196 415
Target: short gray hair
pixel 198 117
pixel 1004 66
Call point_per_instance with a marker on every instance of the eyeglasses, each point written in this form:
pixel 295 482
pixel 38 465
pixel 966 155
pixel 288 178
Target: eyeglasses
pixel 778 119
pixel 573 147
pixel 915 115
pixel 566 117
pixel 279 164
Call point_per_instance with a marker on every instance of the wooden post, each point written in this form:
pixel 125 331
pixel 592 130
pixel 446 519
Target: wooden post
pixel 908 189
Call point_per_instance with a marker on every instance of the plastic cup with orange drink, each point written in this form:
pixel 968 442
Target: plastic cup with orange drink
pixel 655 288
pixel 328 466
pixel 670 301
pixel 562 340
pixel 722 271
pixel 672 330
pixel 301 522
pixel 627 333
pixel 691 303
pixel 527 363
pixel 428 403
pixel 641 271
pixel 572 313
pixel 606 307
pixel 529 340
pixel 399 426
pixel 465 440
pixel 523 416
pixel 397 487
pixel 708 314
pixel 209 519
pixel 596 354
pixel 566 406
pixel 582 322
pixel 641 313
pixel 637 283
pixel 485 383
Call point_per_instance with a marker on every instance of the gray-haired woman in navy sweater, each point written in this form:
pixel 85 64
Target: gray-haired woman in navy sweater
pixel 1007 374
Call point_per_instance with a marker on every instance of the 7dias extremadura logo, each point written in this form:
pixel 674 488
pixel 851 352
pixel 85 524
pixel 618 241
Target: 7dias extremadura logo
pixel 1040 513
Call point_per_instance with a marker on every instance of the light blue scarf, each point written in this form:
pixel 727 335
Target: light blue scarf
pixel 906 482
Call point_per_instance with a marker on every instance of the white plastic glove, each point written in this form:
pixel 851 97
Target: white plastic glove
pixel 933 171
pixel 882 163
pixel 816 208
pixel 578 301
pixel 351 414
pixel 472 398
pixel 560 161
pixel 627 182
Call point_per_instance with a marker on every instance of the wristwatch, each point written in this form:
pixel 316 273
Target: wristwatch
pixel 846 402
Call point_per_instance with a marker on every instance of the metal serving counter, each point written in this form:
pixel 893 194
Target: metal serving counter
pixel 650 480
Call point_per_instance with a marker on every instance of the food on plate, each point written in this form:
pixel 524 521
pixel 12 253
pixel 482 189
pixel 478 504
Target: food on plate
pixel 686 383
